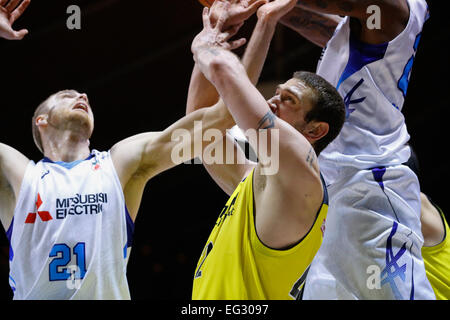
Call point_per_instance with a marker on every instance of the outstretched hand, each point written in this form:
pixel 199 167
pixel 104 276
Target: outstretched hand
pixel 276 9
pixel 10 11
pixel 213 36
pixel 235 12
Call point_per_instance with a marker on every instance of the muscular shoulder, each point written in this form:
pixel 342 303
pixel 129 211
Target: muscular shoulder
pixel 285 210
pixel 127 155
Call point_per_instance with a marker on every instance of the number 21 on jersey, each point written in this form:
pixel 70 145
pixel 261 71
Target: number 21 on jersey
pixel 59 268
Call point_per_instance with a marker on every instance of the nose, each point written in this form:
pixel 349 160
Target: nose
pixel 273 104
pixel 84 97
pixel 275 99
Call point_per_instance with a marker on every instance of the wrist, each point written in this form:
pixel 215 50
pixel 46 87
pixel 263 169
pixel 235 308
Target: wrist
pixel 267 19
pixel 266 24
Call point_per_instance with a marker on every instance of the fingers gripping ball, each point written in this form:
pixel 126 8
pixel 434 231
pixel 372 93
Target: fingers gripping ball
pixel 206 3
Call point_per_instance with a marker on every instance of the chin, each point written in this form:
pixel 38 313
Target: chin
pixel 81 122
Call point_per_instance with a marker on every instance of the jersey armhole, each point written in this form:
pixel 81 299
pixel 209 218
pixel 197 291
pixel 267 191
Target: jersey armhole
pixel 259 245
pixel 445 239
pixel 23 186
pixel 129 223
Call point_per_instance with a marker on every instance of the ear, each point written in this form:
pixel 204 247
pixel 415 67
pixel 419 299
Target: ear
pixel 317 130
pixel 41 120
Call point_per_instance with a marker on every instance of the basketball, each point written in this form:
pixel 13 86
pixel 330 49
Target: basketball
pixel 206 3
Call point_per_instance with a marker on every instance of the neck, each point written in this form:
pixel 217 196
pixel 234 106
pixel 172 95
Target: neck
pixel 66 146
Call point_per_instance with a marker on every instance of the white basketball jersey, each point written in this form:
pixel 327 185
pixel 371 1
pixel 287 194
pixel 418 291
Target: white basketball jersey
pixel 71 233
pixel 373 80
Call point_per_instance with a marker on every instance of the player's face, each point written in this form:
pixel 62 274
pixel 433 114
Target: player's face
pixel 292 102
pixel 71 110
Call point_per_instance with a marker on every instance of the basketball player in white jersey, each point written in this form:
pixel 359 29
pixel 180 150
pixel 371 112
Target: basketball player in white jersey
pixel 373 238
pixel 69 218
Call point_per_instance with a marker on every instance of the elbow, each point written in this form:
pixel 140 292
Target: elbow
pixel 218 117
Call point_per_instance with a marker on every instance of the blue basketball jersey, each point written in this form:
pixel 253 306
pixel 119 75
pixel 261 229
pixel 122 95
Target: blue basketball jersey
pixel 373 80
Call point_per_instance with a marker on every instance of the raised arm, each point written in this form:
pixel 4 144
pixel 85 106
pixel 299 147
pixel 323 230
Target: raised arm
pixel 12 163
pixel 247 106
pixel 141 157
pixel 394 15
pixel 201 92
pixel 268 17
pixel 228 175
pixel 316 27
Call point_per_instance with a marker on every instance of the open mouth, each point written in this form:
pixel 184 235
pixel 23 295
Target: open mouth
pixel 81 106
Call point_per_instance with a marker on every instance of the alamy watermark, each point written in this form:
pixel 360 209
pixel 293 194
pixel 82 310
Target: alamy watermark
pixel 222 151
pixel 374 277
pixel 374 20
pixel 73 22
pixel 74 280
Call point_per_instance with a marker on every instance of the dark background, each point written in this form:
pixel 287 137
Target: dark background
pixel 133 60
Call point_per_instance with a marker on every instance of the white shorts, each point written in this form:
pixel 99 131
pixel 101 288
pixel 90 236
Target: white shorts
pixel 373 239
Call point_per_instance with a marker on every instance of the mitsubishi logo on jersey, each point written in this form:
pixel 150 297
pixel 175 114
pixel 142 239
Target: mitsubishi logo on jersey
pixel 44 215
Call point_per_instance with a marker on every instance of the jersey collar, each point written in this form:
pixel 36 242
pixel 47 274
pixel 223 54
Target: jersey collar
pixel 68 165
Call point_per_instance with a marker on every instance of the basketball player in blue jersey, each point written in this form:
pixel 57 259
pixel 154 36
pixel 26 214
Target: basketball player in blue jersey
pixel 69 218
pixel 373 239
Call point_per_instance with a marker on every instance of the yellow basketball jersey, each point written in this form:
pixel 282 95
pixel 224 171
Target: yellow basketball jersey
pixel 236 265
pixel 437 265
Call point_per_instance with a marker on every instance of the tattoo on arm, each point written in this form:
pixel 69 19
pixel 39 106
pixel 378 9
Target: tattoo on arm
pixel 267 122
pixel 311 22
pixel 311 157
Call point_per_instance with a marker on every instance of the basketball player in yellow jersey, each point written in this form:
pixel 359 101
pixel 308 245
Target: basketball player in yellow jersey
pixel 436 248
pixel 436 245
pixel 270 229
